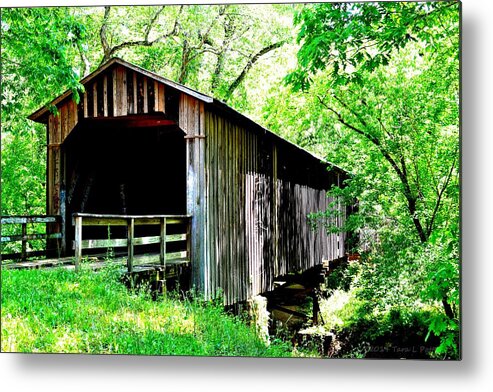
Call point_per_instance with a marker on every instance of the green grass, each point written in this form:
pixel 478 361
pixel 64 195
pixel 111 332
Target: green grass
pixel 88 312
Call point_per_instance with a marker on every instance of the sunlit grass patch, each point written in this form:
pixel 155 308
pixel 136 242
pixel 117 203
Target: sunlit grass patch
pixel 89 312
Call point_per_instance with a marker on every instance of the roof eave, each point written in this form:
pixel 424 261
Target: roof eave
pixel 221 105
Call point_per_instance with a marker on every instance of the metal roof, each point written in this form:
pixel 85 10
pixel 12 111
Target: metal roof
pixel 39 115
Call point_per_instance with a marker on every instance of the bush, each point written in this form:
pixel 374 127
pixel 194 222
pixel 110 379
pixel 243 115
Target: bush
pixel 363 331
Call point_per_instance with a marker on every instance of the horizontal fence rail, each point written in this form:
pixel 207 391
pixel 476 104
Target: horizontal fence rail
pixel 24 237
pixel 81 220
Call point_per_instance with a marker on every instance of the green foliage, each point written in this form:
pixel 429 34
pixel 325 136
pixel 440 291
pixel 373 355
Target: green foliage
pixel 441 261
pixel 363 330
pixel 38 47
pixel 87 312
pixel 205 47
pixel 341 278
pixel 38 50
pixel 23 170
pixel 351 38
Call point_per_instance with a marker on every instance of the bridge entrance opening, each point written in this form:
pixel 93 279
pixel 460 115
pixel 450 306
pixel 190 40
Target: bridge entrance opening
pixel 115 169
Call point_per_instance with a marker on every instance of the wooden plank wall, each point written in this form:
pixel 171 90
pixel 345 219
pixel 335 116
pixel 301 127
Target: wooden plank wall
pixel 191 119
pixel 115 92
pixel 120 91
pixel 256 220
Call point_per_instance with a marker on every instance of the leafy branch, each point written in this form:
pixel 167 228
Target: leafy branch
pixel 251 61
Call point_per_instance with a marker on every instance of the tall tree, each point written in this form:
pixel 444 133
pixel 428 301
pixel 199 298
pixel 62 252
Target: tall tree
pixel 210 48
pixel 385 78
pixel 38 47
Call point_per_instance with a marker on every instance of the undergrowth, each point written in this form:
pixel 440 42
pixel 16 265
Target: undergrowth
pixel 87 312
pixel 363 330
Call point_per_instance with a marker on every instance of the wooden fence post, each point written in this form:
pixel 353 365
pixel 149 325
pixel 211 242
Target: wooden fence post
pixel 189 239
pixel 130 245
pixel 24 241
pixel 162 254
pixel 62 244
pixel 78 241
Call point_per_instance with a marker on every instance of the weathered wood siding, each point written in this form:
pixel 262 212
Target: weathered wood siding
pixel 191 119
pixel 55 192
pixel 259 191
pixel 120 91
pixel 115 92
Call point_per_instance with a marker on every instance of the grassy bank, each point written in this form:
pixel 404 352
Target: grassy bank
pixel 87 312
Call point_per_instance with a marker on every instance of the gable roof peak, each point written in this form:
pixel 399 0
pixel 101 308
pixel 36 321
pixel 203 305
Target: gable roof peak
pixel 40 115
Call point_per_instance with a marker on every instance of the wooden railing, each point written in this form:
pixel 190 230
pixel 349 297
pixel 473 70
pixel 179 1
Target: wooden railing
pixel 81 220
pixel 24 237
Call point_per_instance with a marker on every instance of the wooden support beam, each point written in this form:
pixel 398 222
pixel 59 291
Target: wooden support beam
pixel 134 92
pixel 121 220
pixel 146 100
pixel 140 121
pixel 189 239
pixel 72 117
pixel 156 96
pixel 95 98
pixel 131 235
pixel 69 120
pixel 122 90
pixel 62 243
pixel 57 130
pixel 5 220
pixel 316 309
pixel 63 123
pixel 30 237
pixel 78 241
pixel 105 96
pixel 162 253
pixel 161 98
pixel 111 243
pixel 85 105
pixel 147 123
pixel 116 104
pixel 288 311
pixel 24 243
pixel 120 104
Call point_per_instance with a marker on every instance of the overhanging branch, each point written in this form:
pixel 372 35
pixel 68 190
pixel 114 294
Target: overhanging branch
pixel 401 173
pixel 429 228
pixel 110 52
pixel 252 60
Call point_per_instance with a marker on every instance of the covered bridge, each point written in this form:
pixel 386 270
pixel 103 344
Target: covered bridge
pixel 139 144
